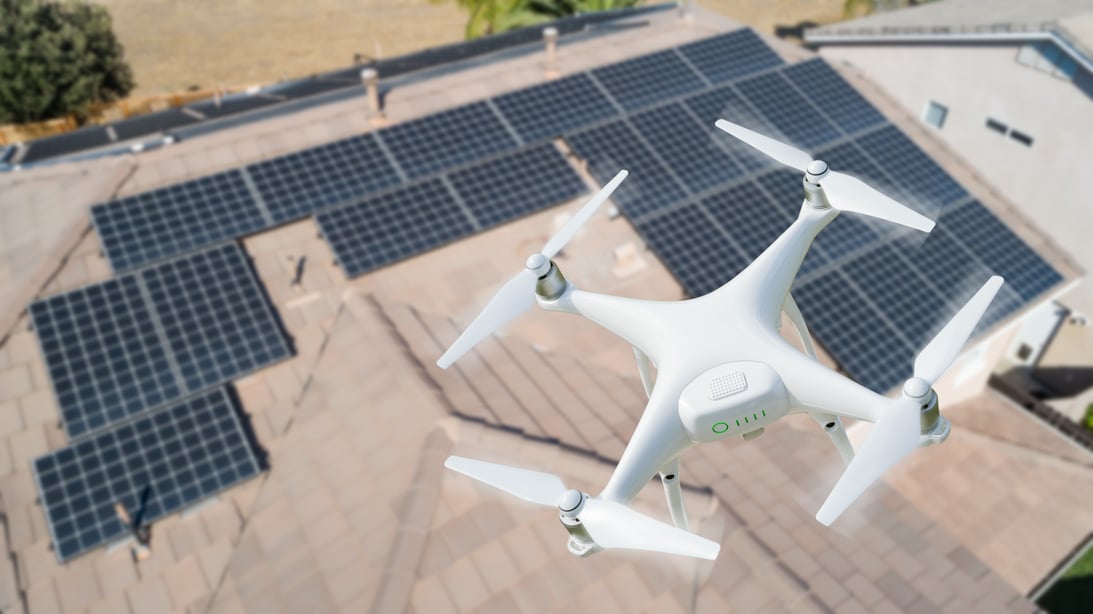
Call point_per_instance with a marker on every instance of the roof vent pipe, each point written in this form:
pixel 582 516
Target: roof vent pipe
pixel 550 37
pixel 371 78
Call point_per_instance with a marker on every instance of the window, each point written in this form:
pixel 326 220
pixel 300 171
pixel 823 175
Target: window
pixel 997 126
pixel 1046 57
pixel 935 114
pixel 1021 137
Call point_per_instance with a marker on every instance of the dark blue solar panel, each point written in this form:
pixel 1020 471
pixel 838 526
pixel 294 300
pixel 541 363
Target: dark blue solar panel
pixel 862 341
pixel 833 95
pixel 154 465
pixel 394 225
pixel 927 186
pixel 304 182
pixel 150 226
pixel 215 316
pixel 445 139
pixel 750 219
pixel 614 146
pixel 730 56
pixel 692 248
pixel 648 79
pixel 1000 249
pixel 103 355
pixel 892 284
pixel 502 189
pixel 725 103
pixel 549 109
pixel 795 118
pixel 694 151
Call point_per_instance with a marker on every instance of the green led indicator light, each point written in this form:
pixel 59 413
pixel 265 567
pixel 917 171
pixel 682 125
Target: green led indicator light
pixel 755 417
pixel 745 419
pixel 720 427
pixel 764 412
pixel 737 423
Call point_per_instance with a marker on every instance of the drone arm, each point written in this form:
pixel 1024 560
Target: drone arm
pixel 813 388
pixel 669 476
pixel 638 322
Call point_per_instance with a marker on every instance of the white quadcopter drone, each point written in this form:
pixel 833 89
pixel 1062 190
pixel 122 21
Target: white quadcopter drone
pixel 724 370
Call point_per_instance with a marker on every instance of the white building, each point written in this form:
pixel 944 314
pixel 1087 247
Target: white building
pixel 1008 84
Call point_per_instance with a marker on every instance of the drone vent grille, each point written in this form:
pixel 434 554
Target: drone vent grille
pixel 727 385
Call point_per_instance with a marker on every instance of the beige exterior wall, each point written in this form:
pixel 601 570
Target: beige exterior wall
pixel 980 81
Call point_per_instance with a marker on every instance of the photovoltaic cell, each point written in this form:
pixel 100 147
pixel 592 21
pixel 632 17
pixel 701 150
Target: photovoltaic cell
pixel 833 95
pixel 150 226
pixel 614 146
pixel 926 185
pixel 864 344
pixel 215 316
pixel 693 151
pixel 794 117
pixel 893 286
pixel 103 355
pixel 748 217
pixel 1000 249
pixel 155 465
pixel 552 108
pixel 502 189
pixel 397 224
pixel 692 248
pixel 304 182
pixel 445 139
pixel 725 103
pixel 648 79
pixel 730 56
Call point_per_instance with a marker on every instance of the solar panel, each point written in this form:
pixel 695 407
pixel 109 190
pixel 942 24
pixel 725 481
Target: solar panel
pixel 154 465
pixel 692 248
pixel 863 342
pixel 104 357
pixel 905 299
pixel 1000 249
pixel 648 79
pixel 725 103
pixel 833 95
pixel 304 182
pixel 502 189
pixel 748 217
pixel 730 56
pixel 614 146
pixel 150 226
pixel 388 227
pixel 795 118
pixel 695 152
pixel 926 185
pixel 215 316
pixel 445 139
pixel 549 109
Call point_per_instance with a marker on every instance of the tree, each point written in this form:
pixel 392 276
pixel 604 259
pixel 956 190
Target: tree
pixel 495 16
pixel 57 58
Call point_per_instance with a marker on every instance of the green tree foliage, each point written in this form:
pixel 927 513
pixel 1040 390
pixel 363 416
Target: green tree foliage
pixel 494 16
pixel 56 58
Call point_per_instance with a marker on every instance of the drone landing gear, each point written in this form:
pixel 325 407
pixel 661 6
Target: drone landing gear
pixel 669 477
pixel 833 426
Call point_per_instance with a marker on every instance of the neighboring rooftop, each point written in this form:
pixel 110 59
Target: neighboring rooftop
pixel 355 511
pixel 1070 20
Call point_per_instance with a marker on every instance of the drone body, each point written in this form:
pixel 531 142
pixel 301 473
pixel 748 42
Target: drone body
pixel 724 370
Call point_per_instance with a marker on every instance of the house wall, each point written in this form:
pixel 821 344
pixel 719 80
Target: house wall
pixel 976 81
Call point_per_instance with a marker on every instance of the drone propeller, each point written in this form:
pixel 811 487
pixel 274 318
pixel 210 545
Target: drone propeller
pixel 845 192
pixel 897 431
pixel 610 524
pixel 518 294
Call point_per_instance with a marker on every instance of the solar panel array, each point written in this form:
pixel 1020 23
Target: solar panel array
pixel 417 185
pixel 134 342
pixel 155 464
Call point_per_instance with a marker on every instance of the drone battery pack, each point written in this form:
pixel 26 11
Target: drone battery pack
pixel 731 399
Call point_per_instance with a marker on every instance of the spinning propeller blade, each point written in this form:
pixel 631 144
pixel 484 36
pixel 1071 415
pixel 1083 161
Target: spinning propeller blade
pixel 518 295
pixel 935 358
pixel 609 523
pixel 897 431
pixel 845 192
